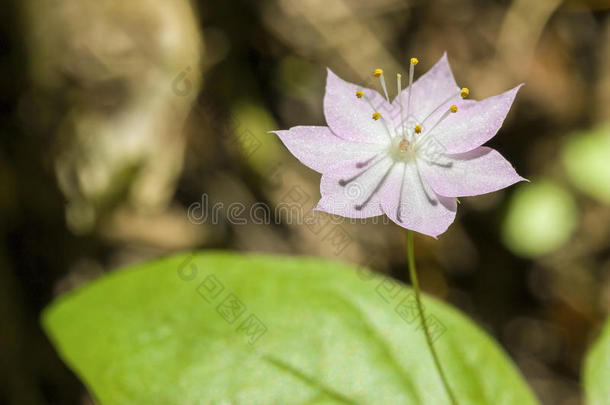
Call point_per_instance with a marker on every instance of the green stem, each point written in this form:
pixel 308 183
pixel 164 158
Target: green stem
pixel 420 309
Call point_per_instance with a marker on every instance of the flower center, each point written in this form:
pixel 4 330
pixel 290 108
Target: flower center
pixel 402 150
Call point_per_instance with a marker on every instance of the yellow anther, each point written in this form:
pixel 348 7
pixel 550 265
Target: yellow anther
pixel 453 108
pixel 377 72
pixel 376 116
pixel 418 129
pixel 464 92
pixel 359 94
pixel 414 61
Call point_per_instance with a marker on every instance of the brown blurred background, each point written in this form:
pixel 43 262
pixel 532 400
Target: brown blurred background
pixel 122 123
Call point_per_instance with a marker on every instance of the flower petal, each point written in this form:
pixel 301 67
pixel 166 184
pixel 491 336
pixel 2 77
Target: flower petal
pixel 475 123
pixel 353 191
pixel 318 148
pixel 350 117
pixel 479 171
pixel 429 92
pixel 417 206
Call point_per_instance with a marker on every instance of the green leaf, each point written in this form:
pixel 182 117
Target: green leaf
pixel 329 334
pixel 597 370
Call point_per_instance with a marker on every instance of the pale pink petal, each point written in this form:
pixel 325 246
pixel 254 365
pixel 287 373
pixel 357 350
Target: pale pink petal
pixel 353 189
pixel 474 123
pixel 318 148
pixel 430 91
pixel 361 179
pixel 479 171
pixel 350 117
pixel 417 207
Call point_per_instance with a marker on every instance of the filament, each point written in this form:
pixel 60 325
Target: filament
pixel 345 182
pixel 414 62
pixel 463 93
pixel 379 74
pixel 376 189
pixel 376 115
pixel 402 120
pixel 451 110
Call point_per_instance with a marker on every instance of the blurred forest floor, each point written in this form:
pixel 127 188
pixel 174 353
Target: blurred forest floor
pixel 122 124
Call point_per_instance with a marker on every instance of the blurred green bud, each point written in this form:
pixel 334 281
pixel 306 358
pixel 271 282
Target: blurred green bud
pixel 540 219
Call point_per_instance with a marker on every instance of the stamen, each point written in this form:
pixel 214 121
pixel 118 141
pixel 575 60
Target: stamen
pixel 368 100
pixel 376 189
pixel 446 165
pixel 360 165
pixel 359 94
pixel 414 62
pixel 376 115
pixel 379 74
pixel 345 182
pixel 464 92
pixel 418 129
pixel 453 109
pixel 431 200
pixel 402 186
pixel 402 119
